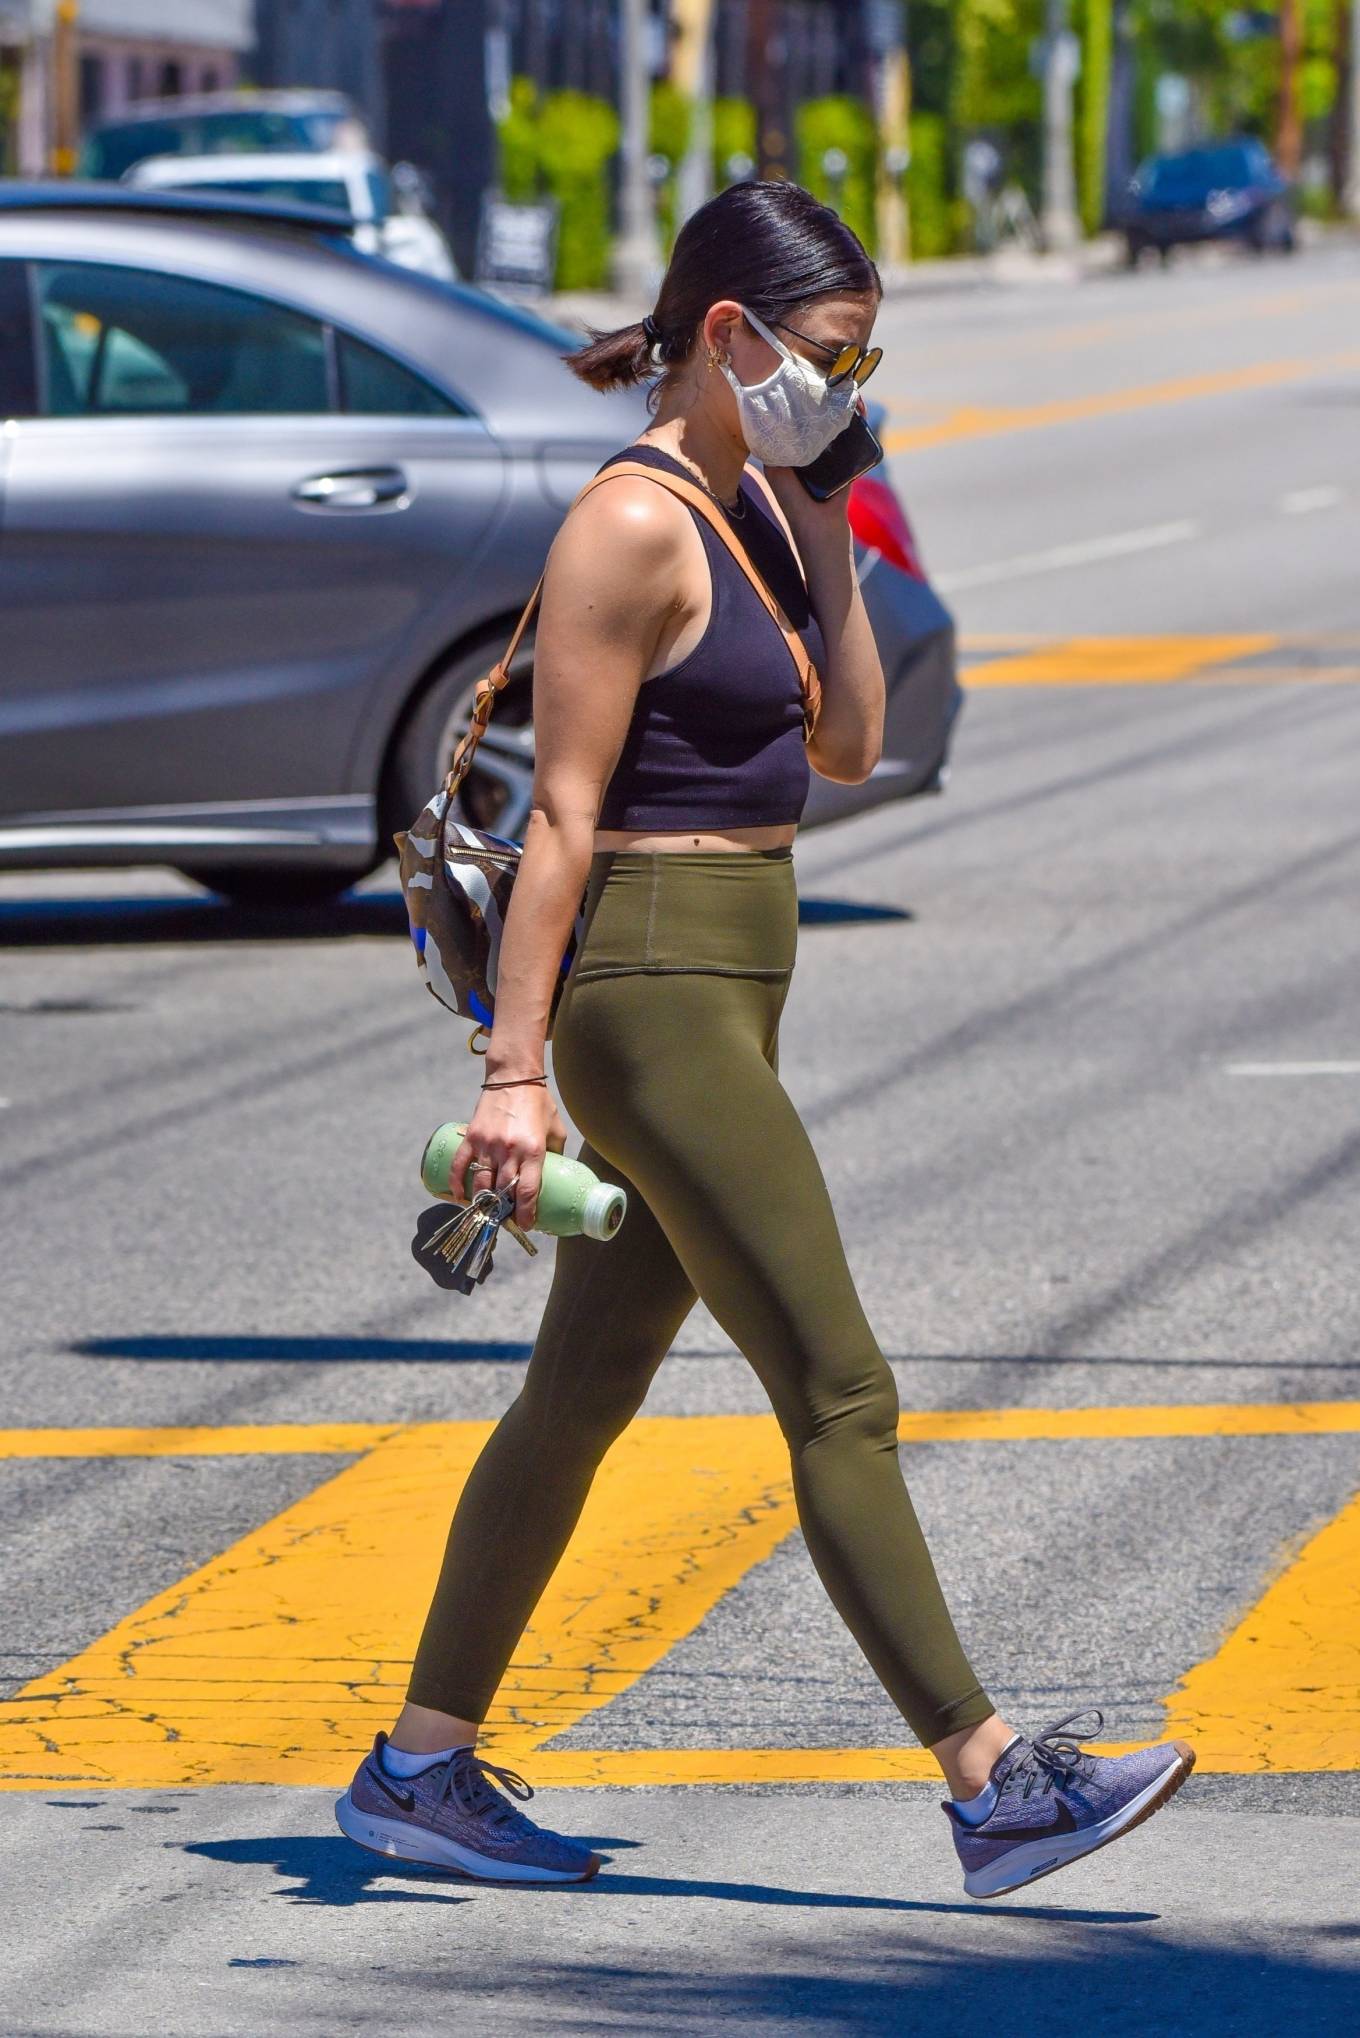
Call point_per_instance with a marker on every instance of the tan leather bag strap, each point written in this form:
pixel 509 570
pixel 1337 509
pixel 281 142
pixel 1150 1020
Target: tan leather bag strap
pixel 488 686
pixel 698 498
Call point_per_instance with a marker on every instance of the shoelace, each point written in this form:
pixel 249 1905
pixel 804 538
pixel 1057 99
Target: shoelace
pixel 1054 1758
pixel 467 1780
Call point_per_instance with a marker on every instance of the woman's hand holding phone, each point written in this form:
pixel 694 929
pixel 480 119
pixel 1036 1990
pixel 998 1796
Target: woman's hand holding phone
pixel 853 451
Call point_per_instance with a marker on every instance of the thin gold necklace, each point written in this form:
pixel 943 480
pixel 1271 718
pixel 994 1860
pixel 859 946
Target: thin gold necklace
pixel 735 510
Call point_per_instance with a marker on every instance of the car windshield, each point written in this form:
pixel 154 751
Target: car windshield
pixel 1181 180
pixel 113 149
pixel 304 190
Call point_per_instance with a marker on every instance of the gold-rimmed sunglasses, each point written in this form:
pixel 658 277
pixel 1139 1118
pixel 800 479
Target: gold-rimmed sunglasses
pixel 856 362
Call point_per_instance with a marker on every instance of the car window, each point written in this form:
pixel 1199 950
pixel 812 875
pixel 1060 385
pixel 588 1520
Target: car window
pixel 123 342
pixel 113 148
pixel 372 382
pixel 1184 179
pixel 305 190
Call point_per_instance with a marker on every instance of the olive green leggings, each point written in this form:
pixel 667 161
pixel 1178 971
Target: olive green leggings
pixel 664 1051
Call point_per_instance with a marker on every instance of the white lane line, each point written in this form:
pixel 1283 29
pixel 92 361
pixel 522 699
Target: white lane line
pixel 1084 552
pixel 1293 1068
pixel 1301 501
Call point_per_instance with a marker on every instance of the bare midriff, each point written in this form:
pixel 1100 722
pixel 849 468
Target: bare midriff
pixel 777 835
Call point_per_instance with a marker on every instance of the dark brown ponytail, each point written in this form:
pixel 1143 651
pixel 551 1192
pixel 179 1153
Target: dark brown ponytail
pixel 611 359
pixel 770 245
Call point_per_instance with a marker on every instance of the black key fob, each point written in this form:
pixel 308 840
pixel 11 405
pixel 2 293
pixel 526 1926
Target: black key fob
pixel 442 1272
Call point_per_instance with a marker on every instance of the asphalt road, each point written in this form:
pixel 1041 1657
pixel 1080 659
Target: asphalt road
pixel 1078 1047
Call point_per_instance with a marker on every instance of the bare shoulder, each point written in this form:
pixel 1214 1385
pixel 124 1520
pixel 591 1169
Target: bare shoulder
pixel 629 527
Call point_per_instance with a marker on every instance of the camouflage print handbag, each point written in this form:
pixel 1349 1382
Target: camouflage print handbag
pixel 456 879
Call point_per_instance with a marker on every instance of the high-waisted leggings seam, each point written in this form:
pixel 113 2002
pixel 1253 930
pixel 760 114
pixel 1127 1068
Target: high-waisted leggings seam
pixel 600 971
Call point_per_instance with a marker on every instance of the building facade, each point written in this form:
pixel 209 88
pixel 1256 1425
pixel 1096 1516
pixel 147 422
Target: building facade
pixel 64 63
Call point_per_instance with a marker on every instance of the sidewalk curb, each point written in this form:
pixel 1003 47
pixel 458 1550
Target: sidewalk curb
pixel 1009 268
pixel 957 275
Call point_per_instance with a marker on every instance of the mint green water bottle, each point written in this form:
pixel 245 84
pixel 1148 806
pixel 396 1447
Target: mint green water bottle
pixel 572 1201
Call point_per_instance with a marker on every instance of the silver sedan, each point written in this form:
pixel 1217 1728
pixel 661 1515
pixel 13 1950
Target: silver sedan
pixel 268 507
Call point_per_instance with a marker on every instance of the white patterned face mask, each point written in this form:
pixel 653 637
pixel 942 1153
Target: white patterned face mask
pixel 792 416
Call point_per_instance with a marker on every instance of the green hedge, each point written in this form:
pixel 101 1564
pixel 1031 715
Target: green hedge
pixel 518 138
pixel 839 122
pixel 734 134
pixel 932 208
pixel 562 144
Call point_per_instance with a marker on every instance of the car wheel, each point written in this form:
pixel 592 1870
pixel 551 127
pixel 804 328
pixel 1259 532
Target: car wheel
pixel 498 792
pixel 1282 237
pixel 282 886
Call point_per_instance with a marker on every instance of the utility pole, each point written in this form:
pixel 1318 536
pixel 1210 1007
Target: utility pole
pixel 692 71
pixel 637 256
pixel 1289 126
pixel 1058 217
pixel 765 55
pixel 65 94
pixel 885 26
pixel 1352 89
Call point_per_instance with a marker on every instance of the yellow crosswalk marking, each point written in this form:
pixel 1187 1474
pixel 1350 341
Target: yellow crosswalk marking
pixel 1215 658
pixel 1283 1691
pixel 278 1659
pixel 931 1425
pixel 1116 661
pixel 275 1661
pixel 1179 1419
pixel 233 1440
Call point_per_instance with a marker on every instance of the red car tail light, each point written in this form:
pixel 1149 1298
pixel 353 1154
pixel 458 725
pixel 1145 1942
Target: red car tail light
pixel 879 522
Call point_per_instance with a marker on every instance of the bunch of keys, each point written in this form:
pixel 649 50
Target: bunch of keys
pixel 457 1250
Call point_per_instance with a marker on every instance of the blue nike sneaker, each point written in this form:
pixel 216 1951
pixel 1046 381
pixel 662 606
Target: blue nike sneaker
pixel 1056 1802
pixel 452 1816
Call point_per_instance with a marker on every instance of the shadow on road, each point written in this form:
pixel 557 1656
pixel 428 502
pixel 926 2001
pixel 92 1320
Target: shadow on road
pixel 1124 1982
pixel 137 922
pixel 1117 1972
pixel 467 1351
pixel 303 1350
pixel 330 1870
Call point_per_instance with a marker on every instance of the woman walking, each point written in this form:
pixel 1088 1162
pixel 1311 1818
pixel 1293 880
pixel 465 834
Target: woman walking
pixel 672 767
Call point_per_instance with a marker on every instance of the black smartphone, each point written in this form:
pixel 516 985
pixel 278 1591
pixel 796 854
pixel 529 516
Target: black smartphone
pixel 852 452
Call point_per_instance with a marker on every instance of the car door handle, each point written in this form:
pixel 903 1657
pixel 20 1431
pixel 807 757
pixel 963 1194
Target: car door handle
pixel 352 488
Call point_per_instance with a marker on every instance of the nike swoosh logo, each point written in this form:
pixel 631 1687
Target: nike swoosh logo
pixel 1062 1822
pixel 406 1799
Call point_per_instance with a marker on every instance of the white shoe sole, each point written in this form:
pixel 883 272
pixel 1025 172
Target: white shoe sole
pixel 1033 1858
pixel 400 1841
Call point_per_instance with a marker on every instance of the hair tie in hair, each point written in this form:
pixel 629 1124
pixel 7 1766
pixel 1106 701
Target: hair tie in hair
pixel 656 347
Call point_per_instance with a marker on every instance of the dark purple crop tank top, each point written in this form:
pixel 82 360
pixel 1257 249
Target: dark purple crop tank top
pixel 716 741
